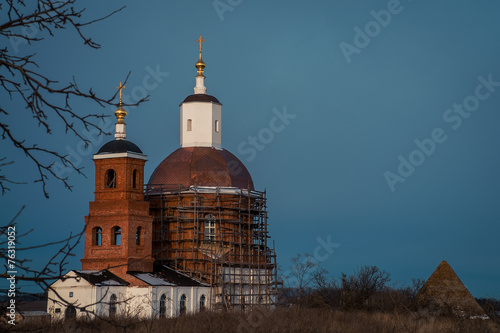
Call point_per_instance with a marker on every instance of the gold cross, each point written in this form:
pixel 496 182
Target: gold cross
pixel 201 40
pixel 120 88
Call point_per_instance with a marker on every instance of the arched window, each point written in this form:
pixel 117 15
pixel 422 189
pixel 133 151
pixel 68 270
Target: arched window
pixel 134 179
pixel 202 302
pixel 112 305
pixel 116 234
pixel 70 312
pixel 189 125
pixel 209 228
pixel 163 305
pixel 182 304
pixel 97 236
pixel 138 236
pixel 217 126
pixel 110 178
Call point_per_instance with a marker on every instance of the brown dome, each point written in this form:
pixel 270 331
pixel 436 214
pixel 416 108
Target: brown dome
pixel 202 166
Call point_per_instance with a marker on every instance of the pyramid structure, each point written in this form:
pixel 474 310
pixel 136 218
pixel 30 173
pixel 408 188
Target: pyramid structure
pixel 444 292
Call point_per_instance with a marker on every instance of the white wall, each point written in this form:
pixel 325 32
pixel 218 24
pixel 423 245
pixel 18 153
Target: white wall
pixel 203 116
pixel 94 299
pixel 140 302
pixel 174 294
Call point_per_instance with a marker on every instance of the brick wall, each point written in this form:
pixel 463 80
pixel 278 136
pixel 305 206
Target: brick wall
pixel 123 207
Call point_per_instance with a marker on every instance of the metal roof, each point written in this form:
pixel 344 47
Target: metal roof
pixel 101 278
pixel 202 166
pixel 119 146
pixel 201 98
pixel 166 276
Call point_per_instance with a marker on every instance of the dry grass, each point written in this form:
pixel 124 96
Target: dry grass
pixel 283 320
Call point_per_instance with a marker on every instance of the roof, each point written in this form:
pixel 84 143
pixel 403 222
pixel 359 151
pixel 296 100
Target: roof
pixel 202 166
pixel 101 278
pixel 444 290
pixel 150 279
pixel 201 98
pixel 119 146
pixel 166 276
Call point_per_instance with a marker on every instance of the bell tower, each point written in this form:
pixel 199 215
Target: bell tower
pixel 118 229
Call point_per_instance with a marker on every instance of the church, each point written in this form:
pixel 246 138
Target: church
pixel 193 237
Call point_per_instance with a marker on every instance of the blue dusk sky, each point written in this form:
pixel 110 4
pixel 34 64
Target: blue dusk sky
pixel 372 125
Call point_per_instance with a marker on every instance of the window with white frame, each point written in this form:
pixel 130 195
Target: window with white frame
pixel 209 228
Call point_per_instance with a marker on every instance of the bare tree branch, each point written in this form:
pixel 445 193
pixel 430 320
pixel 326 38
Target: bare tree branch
pixel 3 178
pixel 45 99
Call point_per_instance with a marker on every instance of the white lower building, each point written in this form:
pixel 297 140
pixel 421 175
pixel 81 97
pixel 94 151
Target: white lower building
pixel 89 294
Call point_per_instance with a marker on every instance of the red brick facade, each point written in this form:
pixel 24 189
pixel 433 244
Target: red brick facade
pixel 118 204
pixel 181 239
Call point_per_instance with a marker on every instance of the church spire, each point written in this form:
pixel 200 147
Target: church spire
pixel 200 79
pixel 200 114
pixel 120 114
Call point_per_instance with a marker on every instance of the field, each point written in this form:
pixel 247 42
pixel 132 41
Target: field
pixel 287 320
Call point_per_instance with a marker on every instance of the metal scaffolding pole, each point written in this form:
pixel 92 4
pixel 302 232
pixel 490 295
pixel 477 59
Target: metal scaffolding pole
pixel 218 235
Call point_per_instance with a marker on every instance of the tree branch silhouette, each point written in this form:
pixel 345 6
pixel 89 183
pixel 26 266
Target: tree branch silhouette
pixel 49 102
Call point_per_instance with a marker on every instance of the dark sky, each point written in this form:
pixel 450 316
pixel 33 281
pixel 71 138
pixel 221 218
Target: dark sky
pixel 389 149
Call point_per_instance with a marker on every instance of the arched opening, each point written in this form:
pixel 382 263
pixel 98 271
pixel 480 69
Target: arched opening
pixel 97 236
pixel 209 228
pixel 112 305
pixel 70 312
pixel 202 302
pixel 163 305
pixel 110 179
pixel 217 126
pixel 138 236
pixel 189 125
pixel 182 304
pixel 134 179
pixel 116 233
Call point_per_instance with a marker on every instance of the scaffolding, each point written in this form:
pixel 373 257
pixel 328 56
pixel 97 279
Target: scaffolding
pixel 218 235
